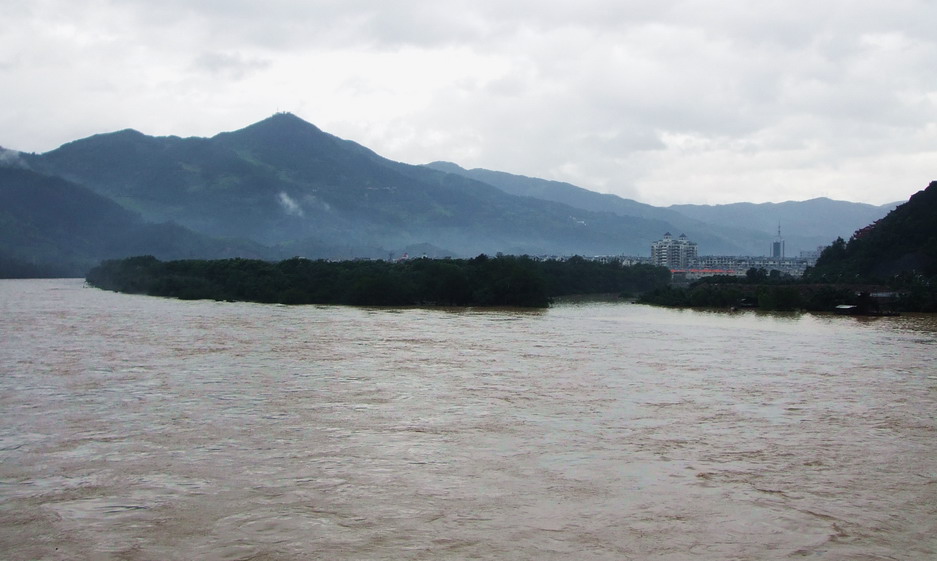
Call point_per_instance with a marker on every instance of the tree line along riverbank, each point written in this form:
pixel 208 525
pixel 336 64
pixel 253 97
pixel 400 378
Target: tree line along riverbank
pixel 482 281
pixel 788 294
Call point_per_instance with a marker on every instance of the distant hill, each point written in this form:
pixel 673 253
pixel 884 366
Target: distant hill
pixel 714 239
pixel 900 248
pixel 52 227
pixel 284 182
pixel 734 229
pixel 560 192
pixel 805 225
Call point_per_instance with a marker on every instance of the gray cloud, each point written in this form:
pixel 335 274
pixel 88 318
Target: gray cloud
pixel 11 159
pixel 671 101
pixel 230 65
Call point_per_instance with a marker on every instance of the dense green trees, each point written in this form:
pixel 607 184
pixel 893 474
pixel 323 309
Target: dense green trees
pixel 899 249
pixel 898 252
pixel 762 291
pixel 577 275
pixel 482 281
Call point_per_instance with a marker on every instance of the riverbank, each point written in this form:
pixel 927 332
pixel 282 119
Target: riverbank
pixel 791 296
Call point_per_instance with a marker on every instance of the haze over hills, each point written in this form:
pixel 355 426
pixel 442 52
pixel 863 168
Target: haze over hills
pixel 52 227
pixel 732 229
pixel 804 224
pixel 282 187
pixel 284 182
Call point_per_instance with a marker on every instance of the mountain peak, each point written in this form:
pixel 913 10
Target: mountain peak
pixel 286 118
pixel 447 167
pixel 282 122
pixel 280 131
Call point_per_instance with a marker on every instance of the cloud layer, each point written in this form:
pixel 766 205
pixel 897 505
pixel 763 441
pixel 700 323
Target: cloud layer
pixel 664 102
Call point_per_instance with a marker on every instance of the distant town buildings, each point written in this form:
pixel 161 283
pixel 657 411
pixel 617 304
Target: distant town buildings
pixel 738 266
pixel 811 256
pixel 673 253
pixel 680 256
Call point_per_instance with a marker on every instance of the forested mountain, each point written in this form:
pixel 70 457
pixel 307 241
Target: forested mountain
pixel 282 187
pixel 52 227
pixel 284 182
pixel 714 239
pixel 560 192
pixel 732 229
pixel 900 248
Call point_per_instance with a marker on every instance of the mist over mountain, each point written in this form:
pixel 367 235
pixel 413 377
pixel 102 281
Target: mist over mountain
pixel 733 229
pixel 283 187
pixel 805 225
pixel 284 182
pixel 52 227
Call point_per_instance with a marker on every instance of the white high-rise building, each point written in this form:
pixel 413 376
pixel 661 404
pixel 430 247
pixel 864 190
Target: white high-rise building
pixel 673 253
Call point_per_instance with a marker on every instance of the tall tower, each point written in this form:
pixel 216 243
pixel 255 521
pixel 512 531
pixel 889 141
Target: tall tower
pixel 777 247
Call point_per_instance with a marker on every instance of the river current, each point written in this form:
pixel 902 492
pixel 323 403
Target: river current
pixel 138 428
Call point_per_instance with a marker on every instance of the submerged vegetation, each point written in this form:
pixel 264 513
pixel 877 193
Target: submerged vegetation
pixel 481 281
pixel 777 293
pixel 744 293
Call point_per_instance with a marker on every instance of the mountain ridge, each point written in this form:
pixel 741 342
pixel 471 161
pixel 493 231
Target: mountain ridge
pixel 54 227
pixel 704 224
pixel 282 180
pixel 289 188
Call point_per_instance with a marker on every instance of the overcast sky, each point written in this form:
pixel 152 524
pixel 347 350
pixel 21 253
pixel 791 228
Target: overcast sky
pixel 696 101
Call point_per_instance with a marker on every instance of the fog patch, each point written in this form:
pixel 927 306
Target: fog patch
pixel 289 205
pixel 11 159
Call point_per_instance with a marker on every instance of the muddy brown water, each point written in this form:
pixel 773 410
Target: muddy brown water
pixel 143 428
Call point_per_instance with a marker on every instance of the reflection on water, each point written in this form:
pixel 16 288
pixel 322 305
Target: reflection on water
pixel 142 428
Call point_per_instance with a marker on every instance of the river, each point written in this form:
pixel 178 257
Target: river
pixel 138 428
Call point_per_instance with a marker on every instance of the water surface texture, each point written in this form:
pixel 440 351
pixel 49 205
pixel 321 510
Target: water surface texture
pixel 143 428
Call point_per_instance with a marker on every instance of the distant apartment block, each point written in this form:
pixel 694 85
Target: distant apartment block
pixel 673 253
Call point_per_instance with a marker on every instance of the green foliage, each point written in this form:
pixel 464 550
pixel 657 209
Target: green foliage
pixel 667 296
pixel 779 298
pixel 827 297
pixel 769 297
pixel 715 296
pixel 581 276
pixel 898 251
pixel 919 295
pixel 903 242
pixel 482 281
pixel 756 275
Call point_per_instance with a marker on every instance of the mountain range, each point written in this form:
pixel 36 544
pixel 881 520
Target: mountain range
pixel 728 229
pixel 282 187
